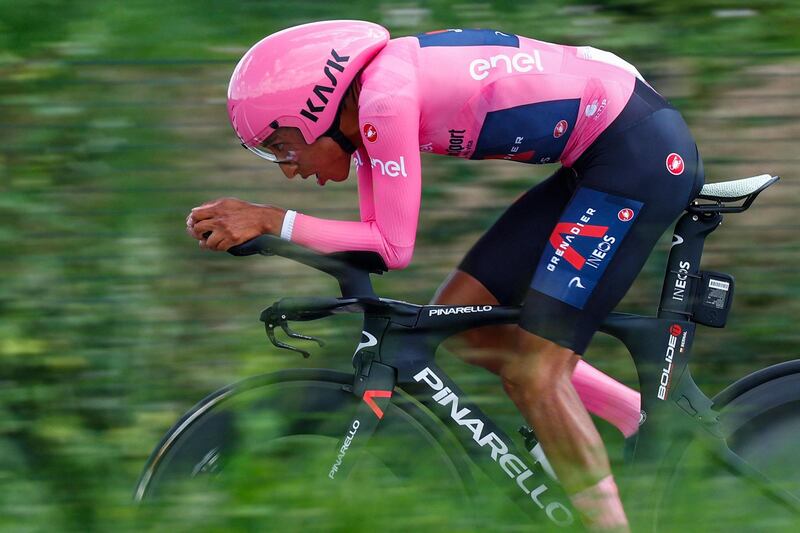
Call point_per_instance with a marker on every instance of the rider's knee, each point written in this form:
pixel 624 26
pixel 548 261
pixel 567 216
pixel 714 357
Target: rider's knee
pixel 525 381
pixel 535 375
pixel 488 347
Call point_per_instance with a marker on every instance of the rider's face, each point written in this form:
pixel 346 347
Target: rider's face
pixel 324 158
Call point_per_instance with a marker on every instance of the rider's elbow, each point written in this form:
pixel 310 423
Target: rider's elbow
pixel 398 257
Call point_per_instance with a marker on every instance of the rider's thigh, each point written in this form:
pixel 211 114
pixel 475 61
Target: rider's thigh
pixel 504 258
pixel 497 269
pixel 460 288
pixel 487 346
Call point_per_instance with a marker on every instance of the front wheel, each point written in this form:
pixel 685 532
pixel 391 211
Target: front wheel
pixel 258 453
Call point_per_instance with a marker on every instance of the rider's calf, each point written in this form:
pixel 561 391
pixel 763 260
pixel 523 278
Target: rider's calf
pixel 538 380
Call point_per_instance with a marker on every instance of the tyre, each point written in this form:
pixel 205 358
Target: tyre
pixel 762 425
pixel 256 455
pixel 760 418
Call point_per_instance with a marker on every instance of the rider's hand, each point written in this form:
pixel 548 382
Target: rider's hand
pixel 226 222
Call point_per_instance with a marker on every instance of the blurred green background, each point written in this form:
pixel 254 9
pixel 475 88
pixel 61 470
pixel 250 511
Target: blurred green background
pixel 113 126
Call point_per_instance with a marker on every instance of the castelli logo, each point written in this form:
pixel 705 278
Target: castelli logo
pixel 675 330
pixel 625 214
pixel 675 164
pixel 370 133
pixel 560 129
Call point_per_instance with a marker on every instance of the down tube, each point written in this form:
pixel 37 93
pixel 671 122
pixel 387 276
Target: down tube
pixel 523 479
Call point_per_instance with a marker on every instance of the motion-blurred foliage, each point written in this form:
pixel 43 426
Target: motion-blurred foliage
pixel 112 126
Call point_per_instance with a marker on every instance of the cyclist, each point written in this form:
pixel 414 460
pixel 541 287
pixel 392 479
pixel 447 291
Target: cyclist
pixel 311 97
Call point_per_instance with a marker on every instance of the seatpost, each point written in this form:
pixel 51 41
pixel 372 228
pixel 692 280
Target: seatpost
pixel 683 264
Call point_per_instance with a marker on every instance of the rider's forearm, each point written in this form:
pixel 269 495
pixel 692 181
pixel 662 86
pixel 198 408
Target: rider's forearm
pixel 329 236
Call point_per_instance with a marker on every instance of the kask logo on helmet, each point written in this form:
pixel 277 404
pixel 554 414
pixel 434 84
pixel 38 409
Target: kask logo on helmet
pixel 298 76
pixel 320 90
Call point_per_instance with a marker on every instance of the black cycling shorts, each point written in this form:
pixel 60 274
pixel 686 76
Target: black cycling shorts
pixel 570 248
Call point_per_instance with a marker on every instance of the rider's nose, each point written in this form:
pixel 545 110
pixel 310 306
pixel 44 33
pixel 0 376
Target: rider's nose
pixel 289 170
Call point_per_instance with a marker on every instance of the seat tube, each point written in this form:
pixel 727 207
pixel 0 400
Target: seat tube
pixel 683 264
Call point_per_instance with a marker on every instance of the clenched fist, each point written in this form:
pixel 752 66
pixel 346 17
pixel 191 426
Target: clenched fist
pixel 226 222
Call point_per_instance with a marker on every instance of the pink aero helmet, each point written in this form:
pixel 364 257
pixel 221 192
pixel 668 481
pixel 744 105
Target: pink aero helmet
pixel 297 77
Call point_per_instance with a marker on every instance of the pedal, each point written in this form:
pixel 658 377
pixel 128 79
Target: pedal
pixel 535 449
pixel 529 436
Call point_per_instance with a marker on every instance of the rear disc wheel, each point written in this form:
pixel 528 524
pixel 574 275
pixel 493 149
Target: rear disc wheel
pixel 762 426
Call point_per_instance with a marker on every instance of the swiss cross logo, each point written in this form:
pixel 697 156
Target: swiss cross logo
pixel 560 129
pixel 370 133
pixel 625 214
pixel 675 330
pixel 675 164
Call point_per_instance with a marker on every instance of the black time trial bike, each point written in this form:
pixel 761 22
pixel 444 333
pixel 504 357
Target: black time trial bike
pixel 396 392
